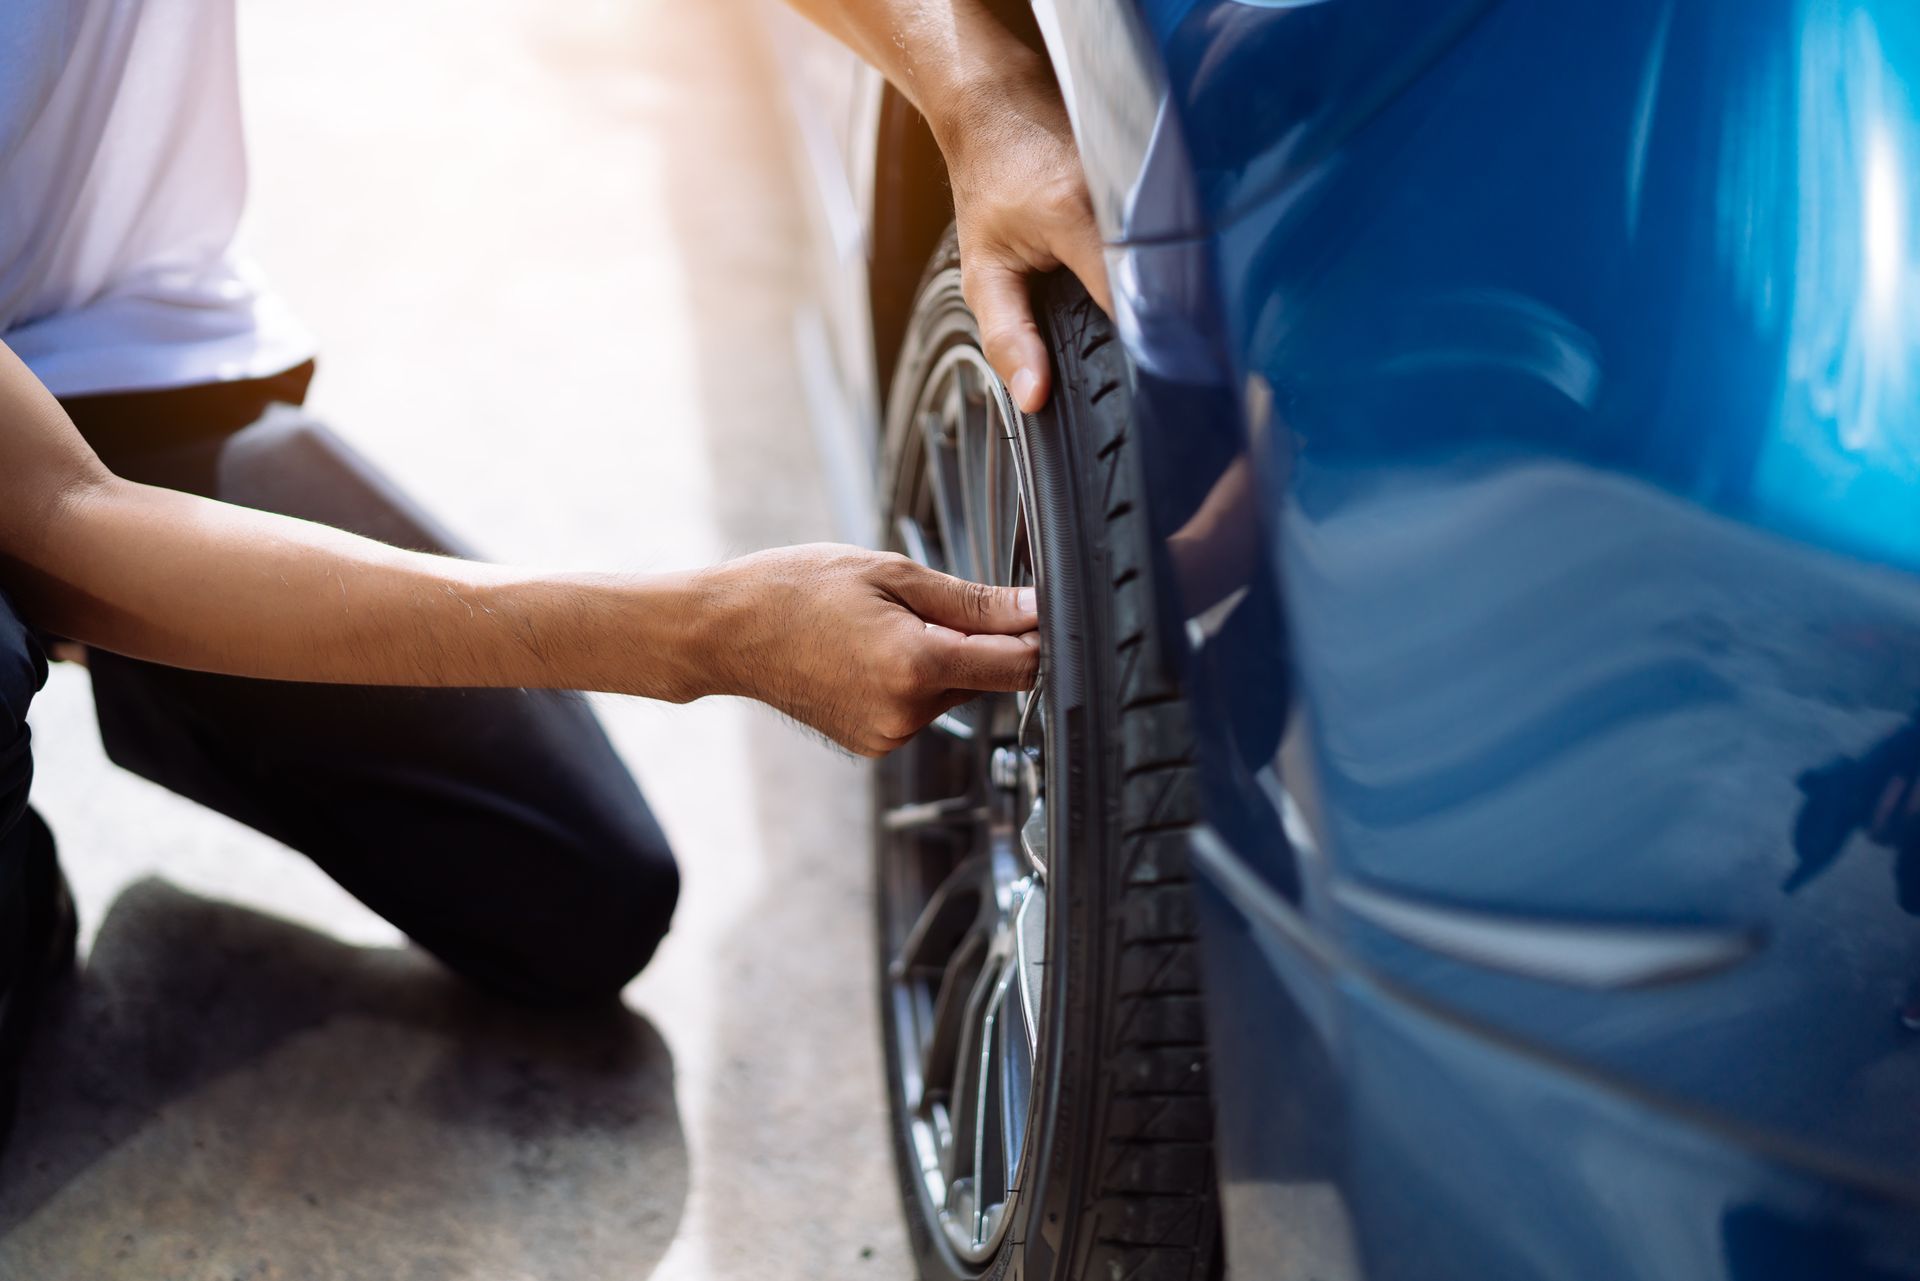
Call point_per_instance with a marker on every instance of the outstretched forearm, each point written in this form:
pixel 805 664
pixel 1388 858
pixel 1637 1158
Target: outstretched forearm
pixel 195 583
pixel 862 646
pixel 189 582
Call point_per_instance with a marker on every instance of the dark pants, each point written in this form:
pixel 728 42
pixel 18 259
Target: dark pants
pixel 22 670
pixel 496 827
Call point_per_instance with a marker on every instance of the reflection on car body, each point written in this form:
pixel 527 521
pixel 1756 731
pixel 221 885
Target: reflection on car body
pixel 1539 384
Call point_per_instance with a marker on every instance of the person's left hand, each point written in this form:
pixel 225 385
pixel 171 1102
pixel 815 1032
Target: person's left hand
pixel 866 647
pixel 1021 205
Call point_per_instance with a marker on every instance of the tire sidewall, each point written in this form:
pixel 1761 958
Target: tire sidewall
pixel 1083 763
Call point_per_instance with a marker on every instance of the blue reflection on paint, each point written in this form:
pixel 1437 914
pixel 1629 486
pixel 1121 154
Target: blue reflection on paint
pixel 1843 461
pixel 1529 394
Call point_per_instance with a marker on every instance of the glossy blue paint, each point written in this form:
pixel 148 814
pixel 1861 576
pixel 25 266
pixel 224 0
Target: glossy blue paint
pixel 1366 1135
pixel 1528 395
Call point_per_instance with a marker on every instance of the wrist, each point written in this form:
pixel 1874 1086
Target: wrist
pixel 715 613
pixel 652 635
pixel 973 93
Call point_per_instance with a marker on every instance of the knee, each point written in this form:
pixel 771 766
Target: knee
pixel 610 929
pixel 624 929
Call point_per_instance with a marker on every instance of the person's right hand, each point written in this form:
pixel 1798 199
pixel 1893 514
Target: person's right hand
pixel 1020 199
pixel 866 647
pixel 1021 207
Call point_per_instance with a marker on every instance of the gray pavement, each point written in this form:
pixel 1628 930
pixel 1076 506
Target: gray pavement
pixel 551 253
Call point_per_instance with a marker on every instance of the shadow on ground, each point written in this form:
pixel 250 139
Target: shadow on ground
pixel 314 1105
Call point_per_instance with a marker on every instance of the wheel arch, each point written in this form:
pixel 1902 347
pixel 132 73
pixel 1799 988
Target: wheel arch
pixel 912 205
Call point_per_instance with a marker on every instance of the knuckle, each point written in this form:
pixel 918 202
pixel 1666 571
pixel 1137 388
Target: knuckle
pixel 1064 199
pixel 979 599
pixel 897 572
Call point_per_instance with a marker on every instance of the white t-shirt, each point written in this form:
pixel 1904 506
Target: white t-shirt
pixel 122 177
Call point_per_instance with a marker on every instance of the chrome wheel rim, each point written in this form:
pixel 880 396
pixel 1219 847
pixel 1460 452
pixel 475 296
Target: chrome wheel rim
pixel 962 816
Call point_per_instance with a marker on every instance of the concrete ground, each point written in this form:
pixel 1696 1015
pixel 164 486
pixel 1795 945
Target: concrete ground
pixel 551 252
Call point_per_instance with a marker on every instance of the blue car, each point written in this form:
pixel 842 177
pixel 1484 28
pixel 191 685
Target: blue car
pixel 1468 825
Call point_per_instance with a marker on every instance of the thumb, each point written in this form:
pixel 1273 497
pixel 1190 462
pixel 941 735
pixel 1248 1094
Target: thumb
pixel 1006 663
pixel 968 607
pixel 997 293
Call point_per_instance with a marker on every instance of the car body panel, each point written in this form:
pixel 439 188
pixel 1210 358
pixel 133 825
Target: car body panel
pixel 835 101
pixel 1526 397
pixel 1367 1133
pixel 1587 495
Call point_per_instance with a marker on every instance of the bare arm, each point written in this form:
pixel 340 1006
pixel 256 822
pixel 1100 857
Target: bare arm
pixel 1020 198
pixel 864 647
pixel 935 51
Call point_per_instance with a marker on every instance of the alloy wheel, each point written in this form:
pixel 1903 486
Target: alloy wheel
pixel 963 829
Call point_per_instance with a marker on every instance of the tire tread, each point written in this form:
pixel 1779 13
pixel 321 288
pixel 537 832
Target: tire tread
pixel 1152 1198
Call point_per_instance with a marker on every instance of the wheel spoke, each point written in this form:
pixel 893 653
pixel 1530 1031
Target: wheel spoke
pixel 989 1020
pixel 954 725
pixel 972 1054
pixel 949 500
pixel 973 442
pixel 1021 562
pixel 1007 526
pixel 949 1033
pixel 951 911
pixel 913 539
pixel 1030 960
pixel 1016 1087
pixel 987 500
pixel 954 811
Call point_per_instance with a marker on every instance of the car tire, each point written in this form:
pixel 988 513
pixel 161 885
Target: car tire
pixel 1115 1173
